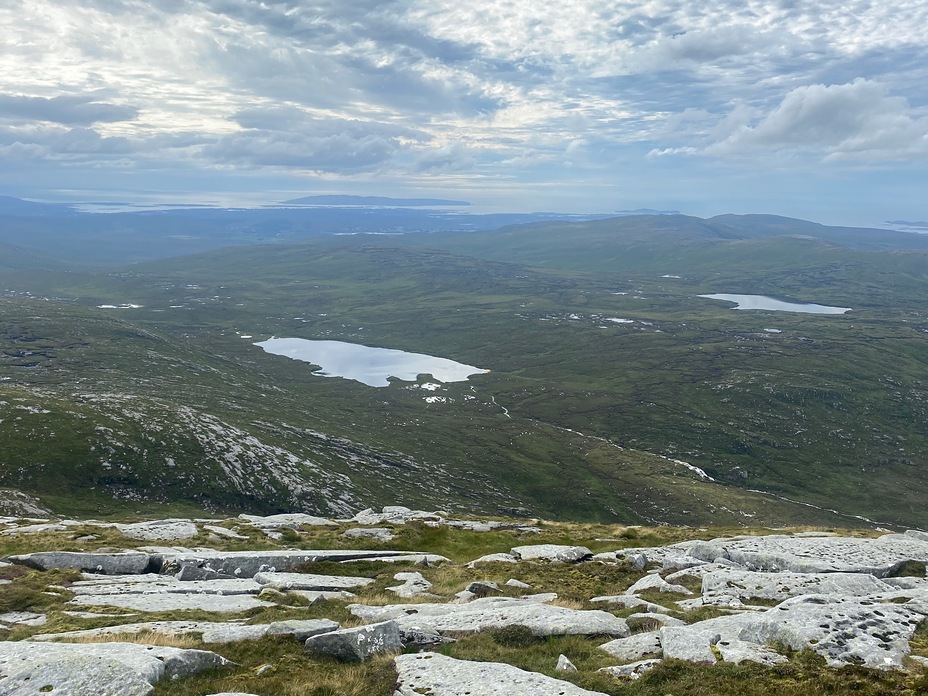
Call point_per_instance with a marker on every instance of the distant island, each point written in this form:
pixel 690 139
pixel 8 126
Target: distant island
pixel 647 211
pixel 373 201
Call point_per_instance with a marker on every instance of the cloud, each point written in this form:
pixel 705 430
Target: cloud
pixel 854 120
pixel 290 137
pixel 452 157
pixel 78 110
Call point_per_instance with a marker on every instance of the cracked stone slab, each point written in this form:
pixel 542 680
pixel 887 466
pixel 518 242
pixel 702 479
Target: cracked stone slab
pixel 212 631
pixel 438 675
pixel 125 563
pixel 165 601
pixel 779 586
pixel 159 530
pixel 497 612
pixel 308 581
pixel 246 564
pixel 286 521
pixel 678 643
pixel 778 553
pixel 168 584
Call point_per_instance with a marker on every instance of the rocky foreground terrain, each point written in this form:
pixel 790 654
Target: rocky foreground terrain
pixel 407 602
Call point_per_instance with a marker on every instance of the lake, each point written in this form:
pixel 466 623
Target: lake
pixel 370 366
pixel 774 305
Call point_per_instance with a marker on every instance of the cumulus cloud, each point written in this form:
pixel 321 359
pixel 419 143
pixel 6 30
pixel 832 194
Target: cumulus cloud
pixel 857 119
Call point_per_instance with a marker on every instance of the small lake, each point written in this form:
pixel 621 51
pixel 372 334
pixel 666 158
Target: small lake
pixel 774 305
pixel 371 366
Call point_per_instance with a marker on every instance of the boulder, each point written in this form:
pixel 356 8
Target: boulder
pixel 357 644
pixel 437 675
pixel 483 588
pixel 564 664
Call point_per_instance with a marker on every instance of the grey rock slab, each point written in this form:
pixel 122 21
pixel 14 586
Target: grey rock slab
pixel 165 601
pixel 376 533
pixel 551 552
pixel 633 670
pixel 246 564
pixel 421 559
pixel 437 675
pixel 564 664
pixel 630 602
pixel 842 630
pixel 23 618
pixel 780 586
pixel 493 558
pixel 212 631
pixel 738 651
pixel 286 521
pixel 224 532
pixel 637 620
pixel 777 553
pixel 494 612
pixel 168 584
pixel 75 675
pixel 656 582
pixel 308 581
pixel 681 644
pixel 634 647
pixel 414 585
pixel 512 582
pixel 159 530
pixel 149 662
pixel 357 644
pixel 128 562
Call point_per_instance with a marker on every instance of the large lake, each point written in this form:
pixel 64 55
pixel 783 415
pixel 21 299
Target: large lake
pixel 371 366
pixel 771 304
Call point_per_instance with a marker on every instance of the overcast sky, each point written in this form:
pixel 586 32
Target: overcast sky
pixel 811 109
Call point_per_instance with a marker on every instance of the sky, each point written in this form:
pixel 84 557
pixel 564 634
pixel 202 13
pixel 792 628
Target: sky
pixel 810 109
